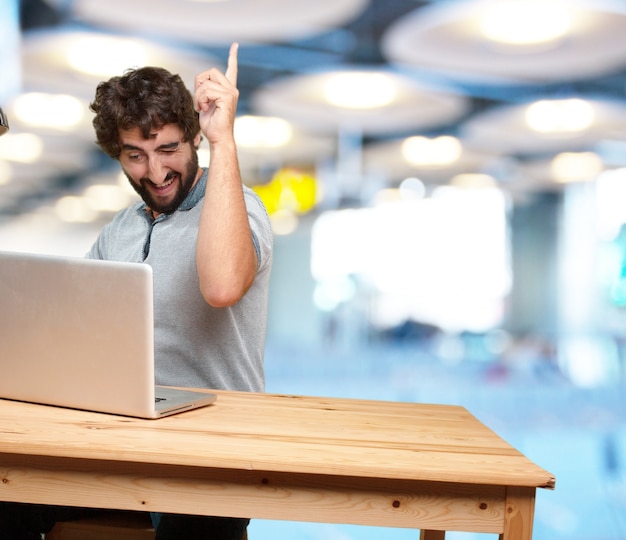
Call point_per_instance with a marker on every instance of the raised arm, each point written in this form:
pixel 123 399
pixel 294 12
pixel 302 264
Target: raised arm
pixel 225 256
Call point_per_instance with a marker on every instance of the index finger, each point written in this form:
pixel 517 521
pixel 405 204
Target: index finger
pixel 232 67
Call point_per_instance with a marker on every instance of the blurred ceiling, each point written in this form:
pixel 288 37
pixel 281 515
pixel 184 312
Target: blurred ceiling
pixel 444 76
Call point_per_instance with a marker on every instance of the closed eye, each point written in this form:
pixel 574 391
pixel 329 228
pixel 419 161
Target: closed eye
pixel 169 149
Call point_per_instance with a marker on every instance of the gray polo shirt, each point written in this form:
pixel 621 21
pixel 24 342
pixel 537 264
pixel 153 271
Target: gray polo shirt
pixel 196 345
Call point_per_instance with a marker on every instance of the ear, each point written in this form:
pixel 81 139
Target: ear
pixel 196 140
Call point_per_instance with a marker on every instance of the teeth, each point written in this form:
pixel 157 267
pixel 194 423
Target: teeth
pixel 165 184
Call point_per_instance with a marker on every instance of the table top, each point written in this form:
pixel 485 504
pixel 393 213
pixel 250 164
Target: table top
pixel 284 433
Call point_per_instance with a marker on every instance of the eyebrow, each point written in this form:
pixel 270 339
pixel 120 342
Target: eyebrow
pixel 166 146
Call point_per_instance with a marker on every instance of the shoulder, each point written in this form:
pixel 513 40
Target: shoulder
pixel 253 201
pixel 120 230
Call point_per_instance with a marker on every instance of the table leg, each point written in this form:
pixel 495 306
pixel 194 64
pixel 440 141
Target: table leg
pixel 520 511
pixel 432 535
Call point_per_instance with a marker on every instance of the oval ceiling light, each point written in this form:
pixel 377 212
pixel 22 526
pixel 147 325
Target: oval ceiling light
pixel 262 131
pixel 397 103
pixel 217 23
pixel 5 173
pixel 448 38
pixel 73 209
pixel 520 129
pixel 525 22
pixel 21 147
pixel 359 90
pixel 105 55
pixel 57 111
pixel 69 61
pixel 106 198
pixel 559 116
pixel 473 181
pixel 570 167
pixel 440 151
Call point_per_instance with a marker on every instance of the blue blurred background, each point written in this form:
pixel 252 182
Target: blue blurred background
pixel 457 238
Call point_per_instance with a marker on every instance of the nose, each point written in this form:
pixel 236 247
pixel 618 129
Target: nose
pixel 156 170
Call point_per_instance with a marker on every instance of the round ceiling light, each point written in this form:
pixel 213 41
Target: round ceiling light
pixel 525 22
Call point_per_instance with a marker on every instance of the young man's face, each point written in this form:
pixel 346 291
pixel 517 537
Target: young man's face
pixel 162 169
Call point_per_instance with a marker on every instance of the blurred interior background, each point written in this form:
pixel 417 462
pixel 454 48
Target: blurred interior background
pixel 447 186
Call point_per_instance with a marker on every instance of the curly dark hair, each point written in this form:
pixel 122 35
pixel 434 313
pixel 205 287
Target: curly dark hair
pixel 148 98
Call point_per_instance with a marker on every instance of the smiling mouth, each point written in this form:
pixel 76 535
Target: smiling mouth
pixel 169 180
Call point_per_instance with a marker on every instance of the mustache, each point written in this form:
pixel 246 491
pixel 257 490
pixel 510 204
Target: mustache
pixel 167 178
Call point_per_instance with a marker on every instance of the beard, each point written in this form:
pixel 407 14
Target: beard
pixel 187 179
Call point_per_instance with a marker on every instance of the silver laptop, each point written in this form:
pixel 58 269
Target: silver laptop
pixel 78 333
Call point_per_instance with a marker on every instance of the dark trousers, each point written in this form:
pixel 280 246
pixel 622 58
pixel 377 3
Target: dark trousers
pixel 27 522
pixel 175 527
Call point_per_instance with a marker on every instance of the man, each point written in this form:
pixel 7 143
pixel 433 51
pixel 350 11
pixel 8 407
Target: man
pixel 207 237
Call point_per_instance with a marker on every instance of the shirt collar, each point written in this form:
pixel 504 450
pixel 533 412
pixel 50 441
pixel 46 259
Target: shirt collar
pixel 196 193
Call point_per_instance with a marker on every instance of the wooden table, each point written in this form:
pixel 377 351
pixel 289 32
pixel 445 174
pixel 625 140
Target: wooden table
pixel 296 458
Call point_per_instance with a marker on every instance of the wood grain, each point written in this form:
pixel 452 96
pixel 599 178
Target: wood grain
pixel 428 467
pixel 284 434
